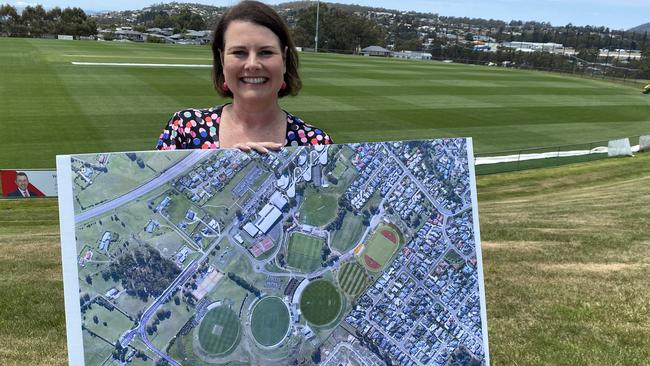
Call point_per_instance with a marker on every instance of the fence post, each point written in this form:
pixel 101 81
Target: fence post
pixel 518 161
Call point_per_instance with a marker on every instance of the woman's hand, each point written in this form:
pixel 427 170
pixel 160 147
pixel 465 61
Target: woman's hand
pixel 259 147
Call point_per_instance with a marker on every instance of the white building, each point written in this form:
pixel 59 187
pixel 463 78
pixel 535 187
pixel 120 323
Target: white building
pixel 105 241
pixel 412 55
pixel 251 229
pixel 535 46
pixel 278 200
pixel 268 217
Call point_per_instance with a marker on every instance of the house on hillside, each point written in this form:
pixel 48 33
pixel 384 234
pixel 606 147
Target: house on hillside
pixel 376 51
pixel 128 34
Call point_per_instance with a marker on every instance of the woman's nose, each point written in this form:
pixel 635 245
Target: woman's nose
pixel 253 62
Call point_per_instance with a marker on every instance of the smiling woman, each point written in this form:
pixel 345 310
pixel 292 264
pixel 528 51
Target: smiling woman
pixel 255 64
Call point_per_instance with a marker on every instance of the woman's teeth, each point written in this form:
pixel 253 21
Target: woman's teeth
pixel 253 80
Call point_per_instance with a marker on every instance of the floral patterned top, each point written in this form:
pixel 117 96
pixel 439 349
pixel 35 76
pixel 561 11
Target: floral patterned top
pixel 199 129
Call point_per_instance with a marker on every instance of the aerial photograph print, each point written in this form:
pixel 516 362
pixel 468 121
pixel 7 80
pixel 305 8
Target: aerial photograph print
pixel 348 182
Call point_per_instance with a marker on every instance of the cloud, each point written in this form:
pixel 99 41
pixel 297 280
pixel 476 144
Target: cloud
pixel 22 4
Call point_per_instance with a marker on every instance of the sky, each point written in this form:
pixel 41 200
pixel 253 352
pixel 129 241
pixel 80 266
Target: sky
pixel 615 14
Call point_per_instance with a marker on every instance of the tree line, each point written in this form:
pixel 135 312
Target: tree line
pixel 348 29
pixel 35 21
pixel 180 22
pixel 338 30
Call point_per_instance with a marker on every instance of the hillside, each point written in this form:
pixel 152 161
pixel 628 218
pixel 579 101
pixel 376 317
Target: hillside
pixel 640 28
pixel 566 255
pixel 404 25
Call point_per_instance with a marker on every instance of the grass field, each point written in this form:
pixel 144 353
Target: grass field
pixel 118 108
pixel 351 230
pixel 566 249
pixel 269 321
pixel 379 249
pixel 125 175
pixel 320 302
pixel 352 278
pixel 219 331
pixel 319 208
pixel 96 351
pixel 304 252
pixel 115 321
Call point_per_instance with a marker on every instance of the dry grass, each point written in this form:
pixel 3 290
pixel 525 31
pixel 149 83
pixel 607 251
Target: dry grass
pixel 567 259
pixel 32 322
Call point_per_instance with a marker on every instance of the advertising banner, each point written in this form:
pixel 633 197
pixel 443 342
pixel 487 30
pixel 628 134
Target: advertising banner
pixel 28 183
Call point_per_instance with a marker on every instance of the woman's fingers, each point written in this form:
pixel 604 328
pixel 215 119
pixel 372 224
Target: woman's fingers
pixel 242 147
pixel 259 147
pixel 269 145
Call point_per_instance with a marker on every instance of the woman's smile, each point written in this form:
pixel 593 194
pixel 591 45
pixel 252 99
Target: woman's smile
pixel 253 80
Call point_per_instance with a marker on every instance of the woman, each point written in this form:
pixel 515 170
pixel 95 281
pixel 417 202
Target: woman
pixel 255 63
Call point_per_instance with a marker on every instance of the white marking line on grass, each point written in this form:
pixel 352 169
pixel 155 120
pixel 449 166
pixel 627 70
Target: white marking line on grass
pixel 131 57
pixel 138 65
pixel 553 154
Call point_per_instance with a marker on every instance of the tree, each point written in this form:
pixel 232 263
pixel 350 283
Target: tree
pixel 75 22
pixel 33 18
pixel 9 19
pixel 338 29
pixel 325 252
pixel 589 54
pixel 316 356
pixel 185 20
pixel 162 362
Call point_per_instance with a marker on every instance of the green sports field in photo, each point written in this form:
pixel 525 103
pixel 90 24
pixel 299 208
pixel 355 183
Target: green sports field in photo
pixel 319 208
pixel 51 106
pixel 270 321
pixel 304 252
pixel 320 302
pixel 381 246
pixel 352 278
pixel 219 331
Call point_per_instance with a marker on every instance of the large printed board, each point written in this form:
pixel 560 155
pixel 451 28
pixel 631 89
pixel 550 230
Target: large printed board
pixel 363 253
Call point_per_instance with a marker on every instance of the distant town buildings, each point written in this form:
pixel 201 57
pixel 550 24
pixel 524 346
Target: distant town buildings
pixel 164 35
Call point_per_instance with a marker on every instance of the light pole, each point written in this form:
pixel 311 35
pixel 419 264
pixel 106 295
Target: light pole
pixel 316 38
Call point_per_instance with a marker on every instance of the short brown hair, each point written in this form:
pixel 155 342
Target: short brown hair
pixel 260 14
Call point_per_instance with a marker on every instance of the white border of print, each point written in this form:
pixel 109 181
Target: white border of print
pixel 69 261
pixel 477 248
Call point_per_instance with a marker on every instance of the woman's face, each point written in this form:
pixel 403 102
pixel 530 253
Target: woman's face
pixel 253 61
